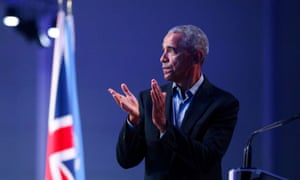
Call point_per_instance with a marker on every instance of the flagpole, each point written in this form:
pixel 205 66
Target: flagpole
pixel 71 73
pixel 60 4
pixel 69 7
pixel 65 149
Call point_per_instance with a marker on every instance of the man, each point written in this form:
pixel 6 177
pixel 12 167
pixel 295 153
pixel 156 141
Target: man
pixel 183 128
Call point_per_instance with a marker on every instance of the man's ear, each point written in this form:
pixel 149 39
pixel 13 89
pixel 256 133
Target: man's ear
pixel 198 56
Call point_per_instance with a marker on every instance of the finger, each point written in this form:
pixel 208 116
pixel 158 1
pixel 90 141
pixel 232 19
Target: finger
pixel 126 90
pixel 156 90
pixel 156 100
pixel 115 95
pixel 153 97
pixel 154 94
pixel 155 86
pixel 111 91
pixel 164 95
pixel 155 103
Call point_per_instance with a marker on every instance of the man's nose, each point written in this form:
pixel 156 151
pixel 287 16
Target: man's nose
pixel 163 57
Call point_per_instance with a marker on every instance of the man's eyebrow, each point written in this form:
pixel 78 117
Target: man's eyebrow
pixel 170 47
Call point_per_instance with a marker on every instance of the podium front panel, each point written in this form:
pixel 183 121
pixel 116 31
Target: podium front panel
pixel 252 174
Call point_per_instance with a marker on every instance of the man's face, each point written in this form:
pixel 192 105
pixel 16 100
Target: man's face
pixel 176 61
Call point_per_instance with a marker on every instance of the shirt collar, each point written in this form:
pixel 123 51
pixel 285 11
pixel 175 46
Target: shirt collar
pixel 194 88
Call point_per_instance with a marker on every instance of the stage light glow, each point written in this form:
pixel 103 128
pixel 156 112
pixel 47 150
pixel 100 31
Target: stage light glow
pixel 53 32
pixel 44 40
pixel 11 17
pixel 11 21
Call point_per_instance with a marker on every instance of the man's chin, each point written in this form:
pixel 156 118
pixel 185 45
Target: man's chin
pixel 168 78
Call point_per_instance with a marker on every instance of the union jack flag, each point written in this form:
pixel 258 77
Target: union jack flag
pixel 64 157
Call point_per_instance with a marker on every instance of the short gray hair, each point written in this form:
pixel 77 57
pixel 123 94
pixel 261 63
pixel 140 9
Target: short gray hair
pixel 194 38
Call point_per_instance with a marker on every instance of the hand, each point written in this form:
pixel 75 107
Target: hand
pixel 158 106
pixel 127 102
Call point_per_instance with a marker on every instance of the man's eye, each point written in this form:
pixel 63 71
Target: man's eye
pixel 172 50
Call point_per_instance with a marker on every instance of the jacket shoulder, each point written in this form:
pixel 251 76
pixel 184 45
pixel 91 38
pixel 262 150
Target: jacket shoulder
pixel 215 91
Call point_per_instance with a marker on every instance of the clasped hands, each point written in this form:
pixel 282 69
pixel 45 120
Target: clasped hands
pixel 129 103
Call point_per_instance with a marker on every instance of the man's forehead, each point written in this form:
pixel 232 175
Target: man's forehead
pixel 172 39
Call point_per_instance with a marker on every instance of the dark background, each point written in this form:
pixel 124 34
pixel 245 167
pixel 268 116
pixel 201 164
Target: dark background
pixel 254 53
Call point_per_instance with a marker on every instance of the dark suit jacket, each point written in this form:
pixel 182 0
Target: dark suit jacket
pixel 195 150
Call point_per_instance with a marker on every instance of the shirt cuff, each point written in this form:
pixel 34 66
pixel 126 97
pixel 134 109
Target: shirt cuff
pixel 162 134
pixel 131 126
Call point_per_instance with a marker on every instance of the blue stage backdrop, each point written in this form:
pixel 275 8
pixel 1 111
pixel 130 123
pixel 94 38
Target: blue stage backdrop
pixel 254 53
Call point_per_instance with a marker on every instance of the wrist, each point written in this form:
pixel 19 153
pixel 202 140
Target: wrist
pixel 133 119
pixel 163 127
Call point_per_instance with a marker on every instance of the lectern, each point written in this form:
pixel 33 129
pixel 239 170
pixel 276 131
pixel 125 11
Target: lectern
pixel 249 173
pixel 252 174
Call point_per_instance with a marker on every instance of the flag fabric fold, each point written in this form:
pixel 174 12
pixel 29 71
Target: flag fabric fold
pixel 64 156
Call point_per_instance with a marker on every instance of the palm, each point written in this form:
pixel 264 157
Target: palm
pixel 128 102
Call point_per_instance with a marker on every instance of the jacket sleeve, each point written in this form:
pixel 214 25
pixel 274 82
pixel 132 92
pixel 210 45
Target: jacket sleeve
pixel 131 146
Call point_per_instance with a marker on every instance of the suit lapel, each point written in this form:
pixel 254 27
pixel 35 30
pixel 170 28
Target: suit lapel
pixel 198 106
pixel 168 110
